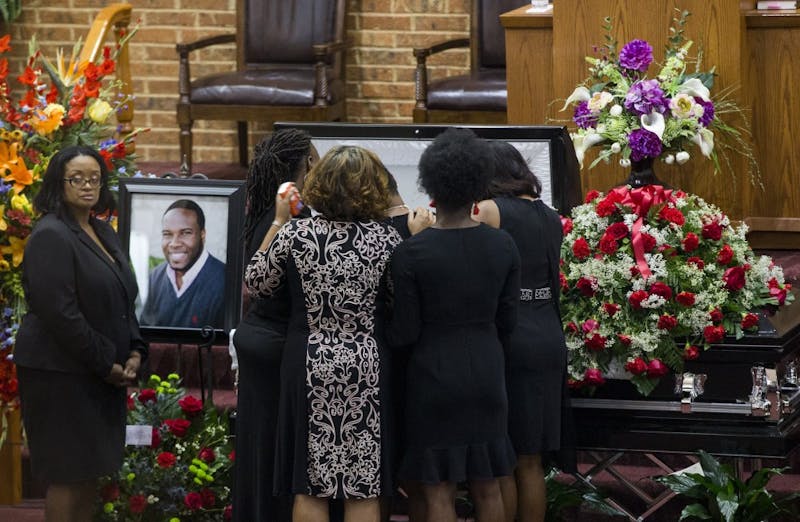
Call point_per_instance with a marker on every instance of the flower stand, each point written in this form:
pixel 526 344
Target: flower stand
pixel 11 462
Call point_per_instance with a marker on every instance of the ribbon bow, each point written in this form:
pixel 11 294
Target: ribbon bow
pixel 640 200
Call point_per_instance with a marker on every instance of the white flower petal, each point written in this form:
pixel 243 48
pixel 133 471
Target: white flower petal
pixel 694 87
pixel 705 140
pixel 682 157
pixel 582 142
pixel 578 95
pixel 654 122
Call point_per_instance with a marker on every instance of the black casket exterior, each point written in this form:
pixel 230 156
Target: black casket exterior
pixel 722 419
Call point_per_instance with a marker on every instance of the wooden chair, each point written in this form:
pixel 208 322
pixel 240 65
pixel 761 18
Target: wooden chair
pixel 477 97
pixel 290 66
pixel 116 18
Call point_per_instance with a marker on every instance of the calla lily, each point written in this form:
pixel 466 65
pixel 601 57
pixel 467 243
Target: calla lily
pixel 578 95
pixel 582 142
pixel 654 122
pixel 694 87
pixel 16 249
pixel 705 140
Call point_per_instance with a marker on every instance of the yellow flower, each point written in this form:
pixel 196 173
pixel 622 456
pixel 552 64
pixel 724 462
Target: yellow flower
pixel 4 266
pixel 3 224
pixel 20 202
pixel 48 119
pixel 16 249
pixel 99 111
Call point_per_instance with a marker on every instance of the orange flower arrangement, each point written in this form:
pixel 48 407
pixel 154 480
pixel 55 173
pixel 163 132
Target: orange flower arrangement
pixel 66 103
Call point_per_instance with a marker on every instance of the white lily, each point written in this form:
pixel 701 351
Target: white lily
pixel 578 95
pixel 694 87
pixel 582 142
pixel 705 140
pixel 654 122
pixel 682 157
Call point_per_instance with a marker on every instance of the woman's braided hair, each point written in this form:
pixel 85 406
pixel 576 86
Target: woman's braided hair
pixel 276 160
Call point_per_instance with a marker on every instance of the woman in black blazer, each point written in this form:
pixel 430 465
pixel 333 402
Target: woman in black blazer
pixel 79 345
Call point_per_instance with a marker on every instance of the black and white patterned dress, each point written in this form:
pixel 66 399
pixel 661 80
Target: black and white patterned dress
pixel 333 421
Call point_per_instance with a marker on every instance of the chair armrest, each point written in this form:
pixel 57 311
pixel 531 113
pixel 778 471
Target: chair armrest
pixel 184 49
pixel 327 49
pixel 324 54
pixel 421 72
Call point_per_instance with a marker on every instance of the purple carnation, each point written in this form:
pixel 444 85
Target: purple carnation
pixel 644 97
pixel 644 144
pixel 583 117
pixel 708 111
pixel 636 55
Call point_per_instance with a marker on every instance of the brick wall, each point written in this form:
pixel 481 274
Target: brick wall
pixel 380 65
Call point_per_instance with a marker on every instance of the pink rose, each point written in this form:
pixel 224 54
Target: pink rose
pixel 593 377
pixel 656 368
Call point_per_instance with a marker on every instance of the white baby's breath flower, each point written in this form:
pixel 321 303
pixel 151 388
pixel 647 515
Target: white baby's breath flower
pixel 682 157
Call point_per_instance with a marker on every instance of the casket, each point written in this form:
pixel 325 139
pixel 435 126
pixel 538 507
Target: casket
pixel 739 398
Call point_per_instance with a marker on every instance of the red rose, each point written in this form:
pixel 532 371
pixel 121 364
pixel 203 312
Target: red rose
pixel 696 261
pixel 178 427
pixel 712 231
pixel 131 404
pixel 672 215
pixel 227 514
pixel 648 242
pixel 190 406
pixel 166 459
pixel 661 289
pixel 110 492
pixel 562 280
pixel 608 245
pixel 148 394
pixel 589 326
pixel 690 242
pixel 232 455
pixel 685 298
pixel 566 225
pixel 572 327
pixel 155 441
pixel 573 384
pixel 585 286
pixel 691 352
pixel 656 368
pixel 716 315
pixel 636 366
pixel 725 255
pixel 193 501
pixel 714 334
pixel 636 299
pixel 617 231
pixel 734 278
pixel 596 343
pixel 611 308
pixel 580 249
pixel 207 455
pixel 591 196
pixel 749 321
pixel 624 339
pixel 593 377
pixel 208 498
pixel 667 322
pixel 606 207
pixel 634 271
pixel 137 503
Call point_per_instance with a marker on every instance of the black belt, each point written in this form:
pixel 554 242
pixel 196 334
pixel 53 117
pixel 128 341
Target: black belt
pixel 535 294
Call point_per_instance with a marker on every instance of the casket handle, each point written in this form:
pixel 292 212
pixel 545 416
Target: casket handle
pixel 689 386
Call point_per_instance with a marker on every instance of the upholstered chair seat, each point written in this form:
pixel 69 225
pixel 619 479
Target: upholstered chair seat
pixel 483 90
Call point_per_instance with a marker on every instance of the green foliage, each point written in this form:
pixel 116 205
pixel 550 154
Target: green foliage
pixel 562 496
pixel 722 496
pixel 10 10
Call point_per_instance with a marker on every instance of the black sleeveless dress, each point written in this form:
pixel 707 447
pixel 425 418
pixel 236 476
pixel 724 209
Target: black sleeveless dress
pixel 538 401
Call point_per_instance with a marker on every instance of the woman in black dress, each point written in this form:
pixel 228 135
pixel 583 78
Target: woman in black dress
pixel 285 155
pixel 334 432
pixel 456 290
pixel 536 366
pixel 79 345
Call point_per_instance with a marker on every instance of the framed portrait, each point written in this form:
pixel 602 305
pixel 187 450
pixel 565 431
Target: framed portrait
pixel 183 239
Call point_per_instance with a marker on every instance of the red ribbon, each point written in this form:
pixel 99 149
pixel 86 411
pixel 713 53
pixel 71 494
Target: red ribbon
pixel 640 200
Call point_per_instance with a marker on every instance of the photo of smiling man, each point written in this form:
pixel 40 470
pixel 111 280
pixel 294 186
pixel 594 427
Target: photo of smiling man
pixel 187 289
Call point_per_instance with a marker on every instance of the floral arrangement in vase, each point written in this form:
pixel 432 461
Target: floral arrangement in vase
pixel 651 277
pixel 63 103
pixel 637 117
pixel 184 474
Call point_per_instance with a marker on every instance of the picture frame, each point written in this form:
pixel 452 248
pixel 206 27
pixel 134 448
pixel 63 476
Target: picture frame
pixel 165 245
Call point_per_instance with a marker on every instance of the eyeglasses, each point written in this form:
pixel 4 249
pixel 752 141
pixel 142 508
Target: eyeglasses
pixel 79 182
